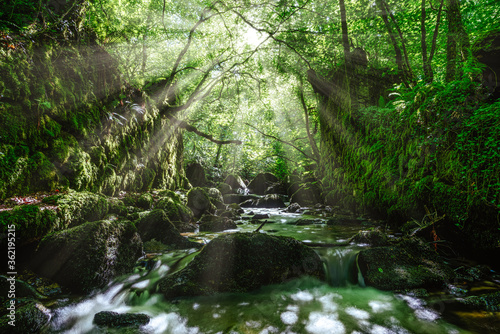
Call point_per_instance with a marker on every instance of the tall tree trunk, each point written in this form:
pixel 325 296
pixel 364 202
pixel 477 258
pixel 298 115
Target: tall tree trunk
pixel 345 35
pixel 310 136
pixel 397 50
pixel 457 42
pixel 423 42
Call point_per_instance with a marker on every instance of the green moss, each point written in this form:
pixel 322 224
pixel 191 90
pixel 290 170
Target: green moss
pixel 78 207
pixel 30 222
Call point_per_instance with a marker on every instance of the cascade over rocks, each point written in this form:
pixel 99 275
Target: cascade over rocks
pixel 156 225
pixel 242 262
pixel 88 256
pixel 410 264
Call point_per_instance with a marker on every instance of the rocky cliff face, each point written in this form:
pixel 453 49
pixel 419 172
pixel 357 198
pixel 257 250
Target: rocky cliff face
pixel 68 119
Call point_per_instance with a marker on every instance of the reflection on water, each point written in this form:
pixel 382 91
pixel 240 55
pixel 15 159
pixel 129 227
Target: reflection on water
pixel 305 305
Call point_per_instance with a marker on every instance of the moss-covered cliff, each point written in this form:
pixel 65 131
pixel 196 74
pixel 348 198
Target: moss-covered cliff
pixel 68 119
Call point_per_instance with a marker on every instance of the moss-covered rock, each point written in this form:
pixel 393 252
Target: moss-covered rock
pixel 261 182
pixel 117 206
pixel 88 256
pixel 196 175
pixel 210 223
pixel 411 264
pixel 199 202
pixel 145 201
pixel 31 223
pixel 225 188
pixel 235 182
pixel 120 320
pixel 76 208
pixel 374 238
pixel 242 262
pixel 307 194
pixel 29 318
pixel 269 201
pixel 156 225
pixel 216 198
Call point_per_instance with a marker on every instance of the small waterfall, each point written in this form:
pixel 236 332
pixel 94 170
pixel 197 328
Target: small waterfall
pixel 341 266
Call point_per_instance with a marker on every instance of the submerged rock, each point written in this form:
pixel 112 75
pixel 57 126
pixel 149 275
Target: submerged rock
pixel 119 320
pixel 88 256
pixel 156 225
pixel 411 264
pixel 242 262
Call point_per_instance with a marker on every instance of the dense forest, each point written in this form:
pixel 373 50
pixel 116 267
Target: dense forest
pixel 147 134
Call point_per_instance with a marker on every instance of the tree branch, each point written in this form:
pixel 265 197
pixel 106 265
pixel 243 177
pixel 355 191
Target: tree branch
pixel 188 127
pixel 282 141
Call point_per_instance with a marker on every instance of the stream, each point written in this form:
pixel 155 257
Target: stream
pixel 342 304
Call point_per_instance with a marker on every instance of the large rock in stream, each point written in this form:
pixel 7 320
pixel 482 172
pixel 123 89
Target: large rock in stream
pixel 88 256
pixel 156 225
pixel 410 264
pixel 261 182
pixel 242 262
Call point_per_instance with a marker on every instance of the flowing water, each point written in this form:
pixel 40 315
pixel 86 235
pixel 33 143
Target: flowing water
pixel 342 304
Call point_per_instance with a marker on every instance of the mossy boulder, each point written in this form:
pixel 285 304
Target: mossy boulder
pixel 199 202
pixel 210 223
pixel 307 194
pixel 156 225
pixel 196 175
pixel 88 256
pixel 145 201
pixel 261 182
pixel 410 264
pixel 236 182
pixel 242 262
pixel 29 318
pixel 225 188
pixel 269 201
pixel 179 214
pixel 216 198
pixel 76 208
pixel 175 210
pixel 120 320
pixel 31 223
pixel 373 238
pixel 117 206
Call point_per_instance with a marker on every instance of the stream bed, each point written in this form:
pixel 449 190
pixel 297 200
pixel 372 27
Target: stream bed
pixel 341 304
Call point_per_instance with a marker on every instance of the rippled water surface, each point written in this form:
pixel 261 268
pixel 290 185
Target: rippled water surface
pixel 305 305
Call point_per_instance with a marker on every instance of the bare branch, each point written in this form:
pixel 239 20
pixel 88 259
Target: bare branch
pixel 282 141
pixel 188 127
